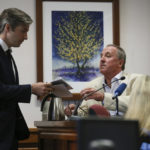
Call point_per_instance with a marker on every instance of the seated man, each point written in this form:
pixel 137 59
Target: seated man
pixel 112 64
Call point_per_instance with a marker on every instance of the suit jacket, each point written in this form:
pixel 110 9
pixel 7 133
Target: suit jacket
pixel 11 93
pixel 109 103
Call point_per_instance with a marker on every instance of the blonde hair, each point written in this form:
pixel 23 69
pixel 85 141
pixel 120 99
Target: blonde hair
pixel 139 105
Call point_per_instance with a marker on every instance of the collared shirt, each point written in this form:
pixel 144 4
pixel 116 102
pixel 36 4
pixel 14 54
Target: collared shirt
pixel 112 89
pixel 114 85
pixel 4 45
pixel 5 48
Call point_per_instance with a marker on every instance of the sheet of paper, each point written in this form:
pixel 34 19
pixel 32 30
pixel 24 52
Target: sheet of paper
pixel 61 91
pixel 61 81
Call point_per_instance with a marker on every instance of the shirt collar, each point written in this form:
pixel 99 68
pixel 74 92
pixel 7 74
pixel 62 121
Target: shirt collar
pixel 118 76
pixel 4 45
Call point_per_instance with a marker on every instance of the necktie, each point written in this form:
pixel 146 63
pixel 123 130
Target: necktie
pixel 12 66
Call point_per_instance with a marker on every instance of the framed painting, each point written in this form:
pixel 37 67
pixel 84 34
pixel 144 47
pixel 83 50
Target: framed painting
pixel 71 36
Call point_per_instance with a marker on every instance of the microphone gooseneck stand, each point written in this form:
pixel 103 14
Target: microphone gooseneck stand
pixel 78 105
pixel 117 106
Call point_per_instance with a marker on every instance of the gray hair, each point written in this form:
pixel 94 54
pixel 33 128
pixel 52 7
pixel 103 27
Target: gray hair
pixel 14 17
pixel 120 53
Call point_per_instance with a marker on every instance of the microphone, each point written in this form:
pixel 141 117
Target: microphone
pixel 119 90
pixel 77 106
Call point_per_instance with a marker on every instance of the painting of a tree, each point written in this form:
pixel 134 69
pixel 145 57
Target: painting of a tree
pixel 77 39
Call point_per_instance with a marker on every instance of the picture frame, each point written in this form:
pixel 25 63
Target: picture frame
pixel 39 28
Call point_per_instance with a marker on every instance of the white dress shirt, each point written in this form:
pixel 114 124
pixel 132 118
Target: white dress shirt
pixel 111 89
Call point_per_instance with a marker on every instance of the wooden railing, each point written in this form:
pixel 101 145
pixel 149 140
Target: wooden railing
pixel 75 96
pixel 31 143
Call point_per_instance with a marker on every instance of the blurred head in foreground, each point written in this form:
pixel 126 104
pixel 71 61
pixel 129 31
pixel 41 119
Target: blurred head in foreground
pixel 139 105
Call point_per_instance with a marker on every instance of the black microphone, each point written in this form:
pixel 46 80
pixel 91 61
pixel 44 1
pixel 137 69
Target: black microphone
pixel 77 106
pixel 119 90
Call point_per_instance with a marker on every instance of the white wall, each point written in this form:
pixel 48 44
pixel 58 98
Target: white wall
pixel 135 34
pixel 134 38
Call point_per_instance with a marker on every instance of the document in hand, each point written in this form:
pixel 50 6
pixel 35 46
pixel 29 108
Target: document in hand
pixel 61 88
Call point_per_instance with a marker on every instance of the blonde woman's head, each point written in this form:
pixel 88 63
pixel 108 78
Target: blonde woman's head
pixel 139 105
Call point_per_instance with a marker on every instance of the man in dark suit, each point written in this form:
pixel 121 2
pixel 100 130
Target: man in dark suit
pixel 14 25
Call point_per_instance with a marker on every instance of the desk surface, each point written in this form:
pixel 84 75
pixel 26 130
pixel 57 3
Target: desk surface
pixel 50 124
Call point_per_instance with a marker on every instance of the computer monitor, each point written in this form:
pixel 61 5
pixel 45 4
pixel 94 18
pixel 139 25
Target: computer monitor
pixel 123 133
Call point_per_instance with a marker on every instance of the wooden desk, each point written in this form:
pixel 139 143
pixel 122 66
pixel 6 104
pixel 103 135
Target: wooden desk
pixel 57 135
pixel 31 143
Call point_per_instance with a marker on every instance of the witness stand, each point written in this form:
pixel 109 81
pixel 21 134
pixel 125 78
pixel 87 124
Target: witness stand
pixel 62 135
pixel 57 135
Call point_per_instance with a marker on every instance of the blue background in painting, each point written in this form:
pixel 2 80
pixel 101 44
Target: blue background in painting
pixel 56 16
